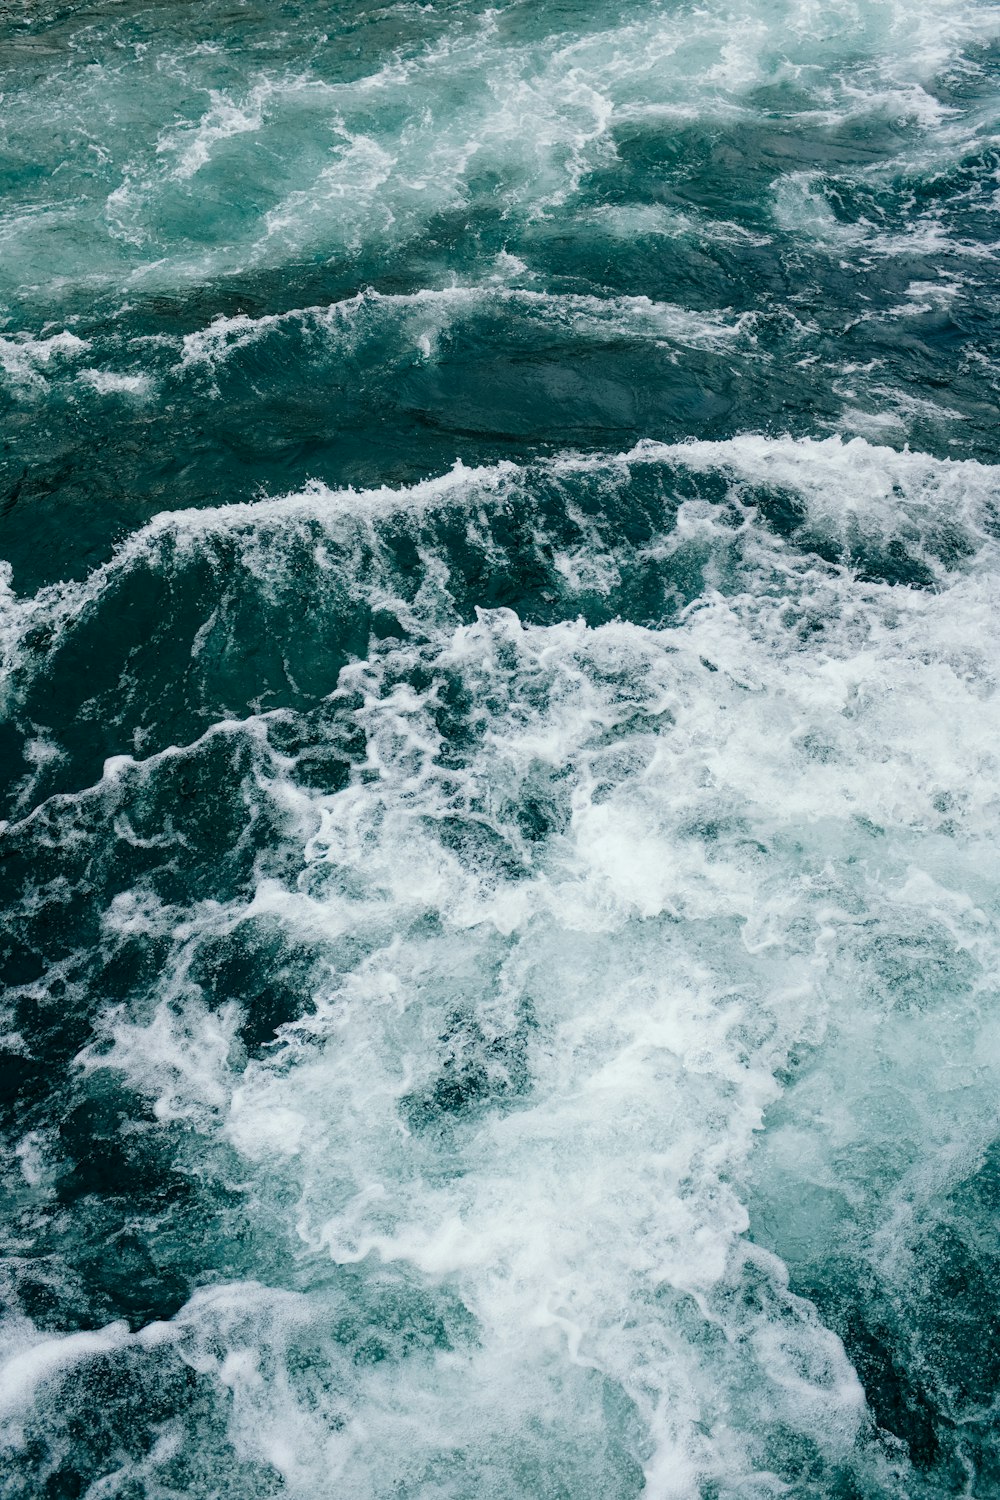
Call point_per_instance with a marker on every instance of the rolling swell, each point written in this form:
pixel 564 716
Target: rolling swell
pixel 500 967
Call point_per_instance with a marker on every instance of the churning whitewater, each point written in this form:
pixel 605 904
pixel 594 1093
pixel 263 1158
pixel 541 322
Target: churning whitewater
pixel 500 750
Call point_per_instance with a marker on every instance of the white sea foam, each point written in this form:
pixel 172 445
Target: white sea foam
pixel 31 1361
pixel 651 931
pixel 25 360
pixel 118 382
pixel 423 317
pixel 728 808
pixel 374 158
pixel 193 146
pixel 848 486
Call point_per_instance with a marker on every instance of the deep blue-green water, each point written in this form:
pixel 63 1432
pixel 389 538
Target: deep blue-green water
pixel 500 750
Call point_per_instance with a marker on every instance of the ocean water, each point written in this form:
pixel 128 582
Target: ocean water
pixel 500 755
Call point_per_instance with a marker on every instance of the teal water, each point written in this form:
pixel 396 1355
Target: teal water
pixel 500 750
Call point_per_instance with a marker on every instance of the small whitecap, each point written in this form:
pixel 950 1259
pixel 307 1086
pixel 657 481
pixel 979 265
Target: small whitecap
pixel 118 383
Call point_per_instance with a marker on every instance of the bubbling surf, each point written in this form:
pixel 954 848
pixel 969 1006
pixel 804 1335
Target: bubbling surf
pixel 500 755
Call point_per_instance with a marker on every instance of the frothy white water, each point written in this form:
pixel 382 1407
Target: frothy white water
pixel 26 360
pixel 497 110
pixel 423 317
pixel 591 898
pixel 940 508
pixel 118 382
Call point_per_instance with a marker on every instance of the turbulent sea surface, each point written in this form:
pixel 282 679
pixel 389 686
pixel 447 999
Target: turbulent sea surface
pixel 501 750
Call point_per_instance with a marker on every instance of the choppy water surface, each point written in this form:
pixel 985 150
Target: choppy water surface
pixel 501 750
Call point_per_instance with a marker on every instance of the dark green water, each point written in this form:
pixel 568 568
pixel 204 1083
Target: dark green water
pixel 500 750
